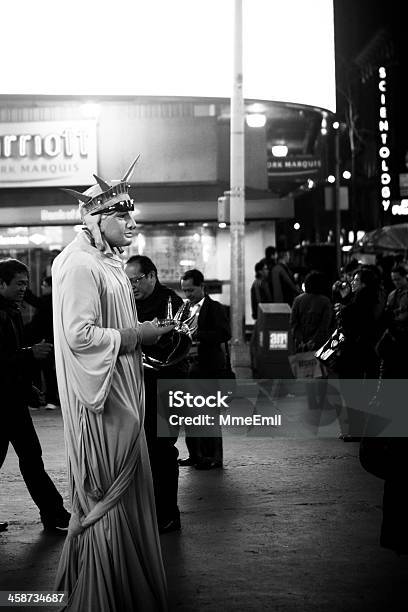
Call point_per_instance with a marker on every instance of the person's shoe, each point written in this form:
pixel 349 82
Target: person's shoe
pixel 3 526
pixel 171 525
pixel 208 464
pixel 186 462
pixel 57 524
pixel 51 406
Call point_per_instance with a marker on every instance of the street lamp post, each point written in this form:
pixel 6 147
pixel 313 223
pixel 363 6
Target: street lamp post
pixel 237 197
pixel 337 217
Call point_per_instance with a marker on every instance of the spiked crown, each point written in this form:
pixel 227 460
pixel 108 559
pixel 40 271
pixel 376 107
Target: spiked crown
pixel 103 197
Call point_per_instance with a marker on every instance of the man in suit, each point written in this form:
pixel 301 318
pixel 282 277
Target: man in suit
pixel 208 361
pixel 151 301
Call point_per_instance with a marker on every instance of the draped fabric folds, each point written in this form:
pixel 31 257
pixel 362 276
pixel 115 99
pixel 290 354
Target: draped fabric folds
pixel 111 560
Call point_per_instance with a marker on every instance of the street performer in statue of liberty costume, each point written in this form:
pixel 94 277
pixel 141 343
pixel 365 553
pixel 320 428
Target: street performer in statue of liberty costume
pixel 111 560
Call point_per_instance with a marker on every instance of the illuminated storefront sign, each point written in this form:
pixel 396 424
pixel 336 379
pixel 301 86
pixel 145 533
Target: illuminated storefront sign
pixel 60 215
pixel 48 153
pixel 294 166
pixel 384 151
pixel 39 215
pixel 401 208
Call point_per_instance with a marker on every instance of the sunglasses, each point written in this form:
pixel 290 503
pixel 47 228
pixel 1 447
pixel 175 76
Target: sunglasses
pixel 134 280
pixel 125 206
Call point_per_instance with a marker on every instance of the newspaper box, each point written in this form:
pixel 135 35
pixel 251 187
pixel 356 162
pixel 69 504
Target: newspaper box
pixel 273 341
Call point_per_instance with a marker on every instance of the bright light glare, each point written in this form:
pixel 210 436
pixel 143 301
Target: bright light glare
pixel 346 174
pixel 336 125
pixel 331 179
pixel 37 239
pixel 255 120
pixel 279 150
pixel 162 48
pixel 296 226
pixel 222 225
pixel 256 108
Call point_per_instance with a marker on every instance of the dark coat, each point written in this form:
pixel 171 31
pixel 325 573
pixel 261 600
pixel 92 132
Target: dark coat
pixel 213 330
pixel 311 320
pixel 41 325
pixel 363 323
pixel 16 361
pixel 156 306
pixel 284 287
pixel 260 294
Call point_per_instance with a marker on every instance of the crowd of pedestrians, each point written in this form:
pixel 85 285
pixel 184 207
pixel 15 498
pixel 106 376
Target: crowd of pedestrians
pixel 369 306
pixel 103 315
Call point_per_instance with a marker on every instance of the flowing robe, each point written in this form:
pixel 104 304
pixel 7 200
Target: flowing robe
pixel 111 560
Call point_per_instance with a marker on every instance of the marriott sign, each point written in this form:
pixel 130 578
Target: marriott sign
pixel 49 153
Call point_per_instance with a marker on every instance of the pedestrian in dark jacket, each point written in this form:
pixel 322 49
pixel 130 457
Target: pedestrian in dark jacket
pixel 209 362
pixel 260 291
pixel 311 323
pixel 362 321
pixel 284 288
pixel 17 428
pixel 152 299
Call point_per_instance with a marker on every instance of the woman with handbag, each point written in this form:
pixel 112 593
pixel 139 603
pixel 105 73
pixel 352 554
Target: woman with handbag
pixel 311 322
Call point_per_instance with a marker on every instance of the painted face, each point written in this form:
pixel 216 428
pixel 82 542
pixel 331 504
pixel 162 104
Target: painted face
pixel 117 229
pixel 193 293
pixel 15 290
pixel 142 284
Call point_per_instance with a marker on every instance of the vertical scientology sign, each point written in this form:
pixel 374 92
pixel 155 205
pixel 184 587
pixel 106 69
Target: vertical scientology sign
pixel 47 153
pixel 384 152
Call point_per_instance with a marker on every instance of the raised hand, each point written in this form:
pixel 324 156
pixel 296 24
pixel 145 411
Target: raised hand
pixel 151 332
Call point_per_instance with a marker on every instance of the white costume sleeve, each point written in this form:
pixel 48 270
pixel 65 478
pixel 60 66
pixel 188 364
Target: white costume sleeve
pixel 89 350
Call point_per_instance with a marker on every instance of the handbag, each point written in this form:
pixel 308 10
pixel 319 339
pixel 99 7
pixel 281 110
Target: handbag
pixel 305 365
pixel 330 353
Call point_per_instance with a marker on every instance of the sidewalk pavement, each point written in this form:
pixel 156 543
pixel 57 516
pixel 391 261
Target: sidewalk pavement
pixel 289 525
